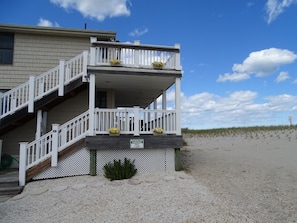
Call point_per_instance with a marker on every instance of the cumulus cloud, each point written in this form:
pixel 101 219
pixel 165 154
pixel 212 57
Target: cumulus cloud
pixel 283 76
pixel 235 77
pixel 265 62
pixel 47 23
pixel 138 32
pixel 274 8
pixel 260 63
pixel 239 108
pixel 97 9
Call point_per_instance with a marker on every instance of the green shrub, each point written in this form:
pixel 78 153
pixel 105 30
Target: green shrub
pixel 118 170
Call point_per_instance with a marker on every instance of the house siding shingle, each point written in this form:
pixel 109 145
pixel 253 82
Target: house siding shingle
pixel 35 54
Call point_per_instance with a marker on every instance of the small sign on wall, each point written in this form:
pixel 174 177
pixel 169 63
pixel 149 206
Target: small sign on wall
pixel 136 143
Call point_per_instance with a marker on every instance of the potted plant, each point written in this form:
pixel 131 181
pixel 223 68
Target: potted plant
pixel 157 65
pixel 115 62
pixel 114 131
pixel 158 131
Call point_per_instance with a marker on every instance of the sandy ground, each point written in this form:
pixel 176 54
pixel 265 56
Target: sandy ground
pixel 240 178
pixel 255 174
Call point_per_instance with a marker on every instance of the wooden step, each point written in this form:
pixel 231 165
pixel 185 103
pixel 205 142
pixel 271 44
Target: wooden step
pixel 10 190
pixel 9 184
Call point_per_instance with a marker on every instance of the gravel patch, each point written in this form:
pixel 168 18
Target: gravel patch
pixel 160 197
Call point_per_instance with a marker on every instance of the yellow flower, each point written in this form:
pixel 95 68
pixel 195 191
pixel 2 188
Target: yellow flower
pixel 114 131
pixel 157 64
pixel 115 62
pixel 158 130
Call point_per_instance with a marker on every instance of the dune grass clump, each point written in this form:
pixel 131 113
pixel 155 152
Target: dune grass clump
pixel 117 170
pixel 252 131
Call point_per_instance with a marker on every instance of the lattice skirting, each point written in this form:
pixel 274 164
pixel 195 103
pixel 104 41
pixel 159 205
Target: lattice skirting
pixel 146 160
pixel 74 165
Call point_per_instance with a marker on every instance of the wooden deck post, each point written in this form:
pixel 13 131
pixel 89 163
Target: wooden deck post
pixel 136 54
pixel 85 65
pixel 136 120
pixel 31 94
pixel 22 163
pixel 0 149
pixel 177 57
pixel 93 161
pixel 61 78
pixel 55 144
pixel 1 103
pixel 93 51
pixel 178 106
pixel 92 92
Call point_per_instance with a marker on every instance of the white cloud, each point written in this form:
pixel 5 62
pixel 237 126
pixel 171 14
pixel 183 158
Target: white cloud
pixel 206 110
pixel 138 32
pixel 260 63
pixel 47 23
pixel 274 8
pixel 265 62
pixel 283 76
pixel 235 77
pixel 97 9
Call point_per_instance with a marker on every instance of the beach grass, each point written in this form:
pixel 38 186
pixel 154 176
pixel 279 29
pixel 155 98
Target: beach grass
pixel 253 131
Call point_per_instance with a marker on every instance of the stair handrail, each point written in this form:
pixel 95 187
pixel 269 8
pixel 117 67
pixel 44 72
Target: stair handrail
pixel 43 84
pixel 48 145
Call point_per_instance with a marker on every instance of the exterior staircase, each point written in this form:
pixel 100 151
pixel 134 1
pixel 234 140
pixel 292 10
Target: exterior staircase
pixel 42 92
pixel 9 184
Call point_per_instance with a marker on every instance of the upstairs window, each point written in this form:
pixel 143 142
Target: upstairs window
pixel 6 48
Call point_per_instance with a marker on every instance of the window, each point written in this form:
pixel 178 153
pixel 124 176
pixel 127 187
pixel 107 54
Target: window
pixel 6 48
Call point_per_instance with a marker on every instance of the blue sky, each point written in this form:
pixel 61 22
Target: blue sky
pixel 239 58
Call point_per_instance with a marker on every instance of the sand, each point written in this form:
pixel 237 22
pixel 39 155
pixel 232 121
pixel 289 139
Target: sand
pixel 237 178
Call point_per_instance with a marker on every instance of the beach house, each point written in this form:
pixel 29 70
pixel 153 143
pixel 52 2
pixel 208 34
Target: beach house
pixel 64 91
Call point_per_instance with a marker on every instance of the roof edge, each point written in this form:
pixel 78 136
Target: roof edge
pixel 56 31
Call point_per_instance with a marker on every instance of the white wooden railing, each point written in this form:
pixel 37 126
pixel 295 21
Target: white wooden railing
pixel 50 144
pixel 134 55
pixel 101 53
pixel 39 86
pixel 129 120
pixel 134 120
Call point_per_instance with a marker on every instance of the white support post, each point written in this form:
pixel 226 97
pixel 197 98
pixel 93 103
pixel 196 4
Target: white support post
pixel 85 64
pixel 93 51
pixel 0 149
pixel 164 100
pixel 22 163
pixel 155 108
pixel 1 104
pixel 178 105
pixel 61 78
pixel 92 93
pixel 55 144
pixel 136 55
pixel 136 120
pixel 44 123
pixel 31 94
pixel 177 57
pixel 38 124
